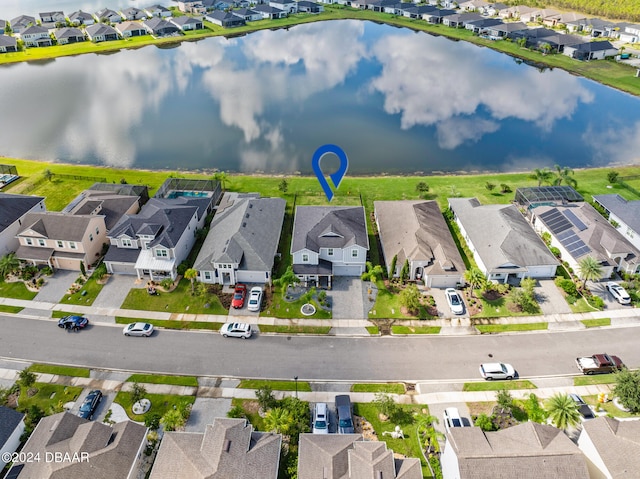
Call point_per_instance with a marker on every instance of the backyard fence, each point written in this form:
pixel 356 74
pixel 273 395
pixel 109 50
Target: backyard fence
pixel 622 181
pixel 79 177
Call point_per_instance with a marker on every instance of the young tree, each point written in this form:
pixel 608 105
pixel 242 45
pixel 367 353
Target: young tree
pixel 589 269
pixel 373 273
pixel 138 392
pixel 485 423
pixel 535 412
pixel 287 278
pixel 489 186
pixel 564 173
pixel 410 298
pixel 404 272
pixel 26 378
pixel 504 400
pixel 278 420
pixel 222 177
pixel 386 405
pixel 264 396
pixel 191 274
pixel 563 411
pixel 8 264
pixel 627 388
pixel 612 176
pixel 283 186
pixel 422 188
pixel 475 278
pixel 542 175
pixel 392 268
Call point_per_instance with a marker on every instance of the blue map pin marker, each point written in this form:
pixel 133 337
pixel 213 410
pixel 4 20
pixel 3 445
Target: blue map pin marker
pixel 338 175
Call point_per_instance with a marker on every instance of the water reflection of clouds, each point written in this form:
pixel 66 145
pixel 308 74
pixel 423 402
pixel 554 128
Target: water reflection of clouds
pixel 427 86
pixel 614 144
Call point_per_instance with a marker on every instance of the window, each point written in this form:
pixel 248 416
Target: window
pixel 305 258
pixel 330 251
pixel 29 241
pixel 126 243
pixel 207 275
pixel 162 253
pixel 72 244
pixel 97 230
pixel 354 253
pixel 60 244
pixel 90 237
pixel 42 242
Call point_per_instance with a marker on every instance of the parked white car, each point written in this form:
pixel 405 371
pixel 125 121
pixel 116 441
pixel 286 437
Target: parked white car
pixel 452 418
pixel 491 371
pixel 455 301
pixel 236 330
pixel 320 418
pixel 618 292
pixel 138 329
pixel 255 299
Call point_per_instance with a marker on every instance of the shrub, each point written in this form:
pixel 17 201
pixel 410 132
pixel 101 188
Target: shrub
pixel 236 412
pixel 100 271
pixel 166 283
pixel 571 299
pixel 265 398
pixel 485 423
pixel 612 176
pixel 46 271
pixel 504 188
pixel 152 420
pixel 504 399
pixel 182 268
pixel 595 301
pixel 568 286
pixel 556 252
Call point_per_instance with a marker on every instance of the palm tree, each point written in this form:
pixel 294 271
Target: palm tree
pixel 222 177
pixel 191 274
pixel 542 175
pixel 287 278
pixel 589 269
pixel 173 420
pixel 475 278
pixel 563 411
pixel 8 264
pixel 564 173
pixel 373 273
pixel 278 420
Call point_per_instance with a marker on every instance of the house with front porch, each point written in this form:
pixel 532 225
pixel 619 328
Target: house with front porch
pixel 329 241
pixel 60 240
pixel 36 36
pixel 242 241
pixel 504 245
pixel 416 232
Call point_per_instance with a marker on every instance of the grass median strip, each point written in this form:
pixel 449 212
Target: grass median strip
pixel 415 329
pixel 275 385
pixel 596 323
pixel 172 324
pixel 60 370
pixel 498 385
pixel 160 379
pixel 506 328
pixel 10 309
pixel 391 388
pixel 266 328
pixel 595 379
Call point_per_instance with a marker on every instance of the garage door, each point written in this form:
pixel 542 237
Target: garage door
pixel 69 264
pixel 347 270
pixel 251 277
pixel 121 268
pixel 441 282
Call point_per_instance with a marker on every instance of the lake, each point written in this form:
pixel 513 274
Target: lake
pixel 395 100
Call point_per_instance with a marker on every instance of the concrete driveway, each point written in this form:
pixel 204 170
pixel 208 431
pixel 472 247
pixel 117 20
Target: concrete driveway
pixel 204 411
pixel 56 286
pixel 244 311
pixel 550 298
pixel 444 311
pixel 348 297
pixel 116 290
pixel 600 289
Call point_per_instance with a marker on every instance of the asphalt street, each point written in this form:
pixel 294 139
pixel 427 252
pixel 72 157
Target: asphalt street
pixel 416 358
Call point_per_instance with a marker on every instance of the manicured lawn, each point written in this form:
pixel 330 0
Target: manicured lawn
pixel 172 324
pixel 267 328
pixel 587 380
pixel 15 290
pixel 10 309
pixel 62 314
pixel 279 308
pixel 179 300
pixel 91 289
pixel 595 323
pixel 60 370
pixel 609 407
pixel 160 403
pixel 415 329
pixel 498 385
pixel 275 385
pixel 50 397
pixel 503 328
pixel 391 388
pixel 250 408
pixel 373 330
pixel 388 306
pixel 159 379
pixel 498 308
pixel 581 306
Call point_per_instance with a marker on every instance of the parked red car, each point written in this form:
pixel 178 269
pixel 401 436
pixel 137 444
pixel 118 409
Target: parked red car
pixel 238 296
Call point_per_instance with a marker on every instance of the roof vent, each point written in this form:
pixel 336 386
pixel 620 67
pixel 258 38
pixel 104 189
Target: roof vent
pixel 247 215
pixel 226 445
pixel 250 205
pixel 244 225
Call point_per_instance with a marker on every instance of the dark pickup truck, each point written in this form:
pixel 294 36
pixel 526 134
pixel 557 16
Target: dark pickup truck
pixel 599 364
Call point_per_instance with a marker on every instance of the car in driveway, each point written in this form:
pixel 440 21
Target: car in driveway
pixel 344 414
pixel 490 371
pixel 90 404
pixel 236 330
pixel 73 323
pixel 618 292
pixel 456 305
pixel 255 299
pixel 320 419
pixel 138 329
pixel 452 418
pixel 583 408
pixel 239 294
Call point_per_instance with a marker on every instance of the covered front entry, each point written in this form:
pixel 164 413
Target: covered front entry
pixel 155 268
pixel 315 274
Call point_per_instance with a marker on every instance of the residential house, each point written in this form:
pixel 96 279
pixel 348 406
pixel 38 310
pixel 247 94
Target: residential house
pixel 81 18
pixel 437 16
pixel 512 250
pixel 482 26
pixel 515 12
pixel 193 7
pixel 591 50
pixel 394 8
pixel 112 204
pixel 270 13
pixel 133 13
pixel 416 11
pixel 247 14
pixel 21 23
pixel 100 32
pixel 288 6
pixel 158 11
pixel 328 241
pixel 627 33
pixel 11 429
pixel 459 20
pixel 108 16
pixel 611 446
pixel 36 36
pixel 3 26
pixel 416 232
pixel 493 9
pixel 562 19
pixel 348 456
pixel 8 44
pixel 186 23
pixel 131 29
pixel 228 448
pixel 93 449
pixel 305 6
pixel 224 19
pixel 541 37
pixel 68 35
pixel 473 5
pixel 160 27
pixel 242 241
pixel 52 17
pixel 597 27
pixel 527 451
pixel 506 30
pixel 60 240
pixel 624 215
pixel 538 15
pixel 578 231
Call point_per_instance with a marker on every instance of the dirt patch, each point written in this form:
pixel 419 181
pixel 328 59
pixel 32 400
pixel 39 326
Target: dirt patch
pixel 364 427
pixel 32 392
pixel 12 400
pixel 477 408
pixel 491 295
pixel 225 299
pixel 251 407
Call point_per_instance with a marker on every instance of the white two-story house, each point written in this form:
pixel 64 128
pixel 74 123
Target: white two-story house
pixel 12 210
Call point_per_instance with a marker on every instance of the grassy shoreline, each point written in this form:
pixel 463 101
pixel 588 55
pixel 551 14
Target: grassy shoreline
pixel 610 73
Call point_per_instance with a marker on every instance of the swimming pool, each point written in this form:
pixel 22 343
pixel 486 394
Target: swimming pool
pixel 190 194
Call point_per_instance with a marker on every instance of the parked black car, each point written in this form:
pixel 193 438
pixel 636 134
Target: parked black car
pixel 74 323
pixel 344 413
pixel 583 408
pixel 90 404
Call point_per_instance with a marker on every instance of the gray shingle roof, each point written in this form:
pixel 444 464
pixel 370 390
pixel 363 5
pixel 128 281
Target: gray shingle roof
pixel 80 15
pixel 627 211
pixel 501 235
pixel 526 451
pixel 13 207
pixel 112 450
pixel 112 205
pixel 229 448
pixel 185 20
pixel 68 32
pixel 246 232
pixel 318 227
pixel 57 226
pixel 9 420
pixel 23 20
pixel 7 41
pixel 617 443
pixel 99 29
pixel 34 29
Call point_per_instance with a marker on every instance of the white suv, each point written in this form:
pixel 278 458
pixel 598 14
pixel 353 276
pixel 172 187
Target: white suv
pixel 491 371
pixel 452 418
pixel 618 292
pixel 255 299
pixel 320 419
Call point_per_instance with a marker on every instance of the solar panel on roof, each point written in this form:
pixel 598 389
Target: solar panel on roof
pixel 555 221
pixel 564 235
pixel 575 220
pixel 581 251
